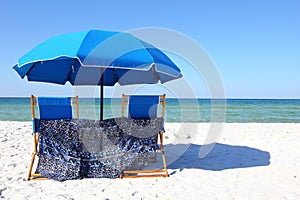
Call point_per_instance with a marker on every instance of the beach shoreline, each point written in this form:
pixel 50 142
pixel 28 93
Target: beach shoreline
pixel 249 161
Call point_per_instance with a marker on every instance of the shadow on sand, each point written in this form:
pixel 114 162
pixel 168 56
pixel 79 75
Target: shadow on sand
pixel 221 157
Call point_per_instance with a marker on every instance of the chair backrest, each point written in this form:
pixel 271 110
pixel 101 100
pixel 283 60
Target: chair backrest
pixel 143 106
pixel 51 108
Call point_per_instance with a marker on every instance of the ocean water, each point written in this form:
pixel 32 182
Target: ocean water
pixel 178 110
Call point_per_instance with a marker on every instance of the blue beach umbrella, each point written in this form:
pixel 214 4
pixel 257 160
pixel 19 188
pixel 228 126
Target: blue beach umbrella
pixel 97 57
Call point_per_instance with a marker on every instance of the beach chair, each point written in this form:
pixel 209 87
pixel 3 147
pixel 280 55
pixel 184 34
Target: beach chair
pixel 49 108
pixel 146 107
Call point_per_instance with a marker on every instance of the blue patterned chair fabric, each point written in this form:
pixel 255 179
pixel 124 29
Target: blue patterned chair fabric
pixel 82 148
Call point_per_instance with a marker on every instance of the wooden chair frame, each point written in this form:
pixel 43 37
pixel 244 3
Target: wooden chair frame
pixel 154 172
pixel 34 103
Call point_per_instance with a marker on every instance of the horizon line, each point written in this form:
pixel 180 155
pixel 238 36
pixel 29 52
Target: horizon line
pixel 229 98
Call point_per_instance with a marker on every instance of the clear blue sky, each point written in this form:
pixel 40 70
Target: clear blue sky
pixel 254 44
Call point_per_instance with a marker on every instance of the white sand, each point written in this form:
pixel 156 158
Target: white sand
pixel 251 161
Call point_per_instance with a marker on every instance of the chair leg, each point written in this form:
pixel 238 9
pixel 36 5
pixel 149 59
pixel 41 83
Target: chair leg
pixel 161 137
pixel 35 153
pixel 165 163
pixel 161 148
pixel 32 156
pixel 31 166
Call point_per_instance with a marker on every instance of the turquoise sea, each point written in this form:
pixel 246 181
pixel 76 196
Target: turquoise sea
pixel 177 110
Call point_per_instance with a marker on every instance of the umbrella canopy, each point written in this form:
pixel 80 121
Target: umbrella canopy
pixel 97 57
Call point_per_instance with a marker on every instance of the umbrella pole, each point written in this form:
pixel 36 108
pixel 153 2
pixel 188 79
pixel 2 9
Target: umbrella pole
pixel 101 93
